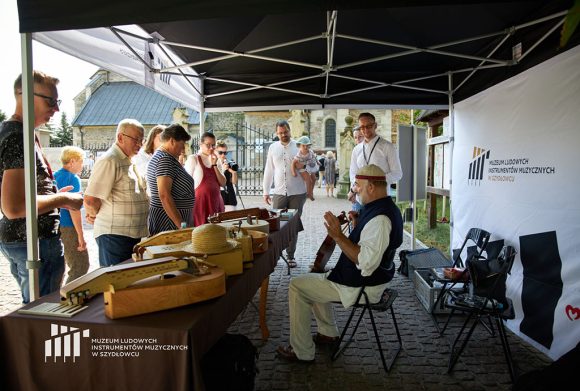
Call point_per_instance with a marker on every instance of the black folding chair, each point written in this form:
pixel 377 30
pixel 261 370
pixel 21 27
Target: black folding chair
pixel 385 303
pixel 480 239
pixel 488 300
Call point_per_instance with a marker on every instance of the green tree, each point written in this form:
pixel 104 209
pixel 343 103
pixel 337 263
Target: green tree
pixel 62 135
pixel 2 116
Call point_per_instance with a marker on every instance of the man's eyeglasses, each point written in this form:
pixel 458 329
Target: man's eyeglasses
pixel 222 152
pixel 139 141
pixel 49 100
pixel 210 146
pixel 367 127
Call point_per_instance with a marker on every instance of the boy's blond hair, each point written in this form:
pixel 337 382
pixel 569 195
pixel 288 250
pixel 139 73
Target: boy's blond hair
pixel 71 153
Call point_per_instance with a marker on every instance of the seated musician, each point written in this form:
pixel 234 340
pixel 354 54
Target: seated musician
pixel 362 262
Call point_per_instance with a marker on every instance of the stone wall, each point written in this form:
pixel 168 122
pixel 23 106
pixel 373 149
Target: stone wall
pixel 94 135
pixel 318 120
pixel 223 122
pixel 266 120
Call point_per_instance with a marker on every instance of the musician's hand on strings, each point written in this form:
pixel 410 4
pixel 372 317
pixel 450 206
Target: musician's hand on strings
pixel 332 225
pixel 353 218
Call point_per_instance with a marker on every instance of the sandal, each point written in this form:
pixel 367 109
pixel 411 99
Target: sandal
pixel 292 263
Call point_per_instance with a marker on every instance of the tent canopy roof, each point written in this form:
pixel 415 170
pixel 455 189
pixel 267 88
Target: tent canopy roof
pixel 266 54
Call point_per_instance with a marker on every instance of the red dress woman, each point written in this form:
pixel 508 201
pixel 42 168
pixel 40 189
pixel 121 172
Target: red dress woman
pixel 208 180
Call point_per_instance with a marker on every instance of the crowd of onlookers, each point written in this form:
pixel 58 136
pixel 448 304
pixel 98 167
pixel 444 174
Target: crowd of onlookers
pixel 145 184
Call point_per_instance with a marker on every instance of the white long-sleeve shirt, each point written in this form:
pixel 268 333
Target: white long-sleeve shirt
pixel 278 168
pixel 384 155
pixel 380 152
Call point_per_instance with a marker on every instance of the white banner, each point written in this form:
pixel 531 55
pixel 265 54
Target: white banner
pixel 516 174
pixel 100 46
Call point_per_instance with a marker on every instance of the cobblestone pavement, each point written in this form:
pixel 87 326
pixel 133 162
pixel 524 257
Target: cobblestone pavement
pixel 421 364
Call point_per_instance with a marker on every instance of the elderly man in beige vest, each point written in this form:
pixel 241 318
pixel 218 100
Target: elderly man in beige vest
pixel 116 200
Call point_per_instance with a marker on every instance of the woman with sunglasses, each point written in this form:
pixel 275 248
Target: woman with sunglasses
pixel 231 175
pixel 208 179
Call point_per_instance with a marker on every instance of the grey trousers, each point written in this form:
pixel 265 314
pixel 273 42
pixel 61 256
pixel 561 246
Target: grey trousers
pixel 291 202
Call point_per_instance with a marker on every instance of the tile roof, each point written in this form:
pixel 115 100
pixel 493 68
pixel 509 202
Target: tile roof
pixel 112 102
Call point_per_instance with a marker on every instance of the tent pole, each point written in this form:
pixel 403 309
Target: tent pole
pixel 414 184
pixel 451 146
pixel 32 263
pixel 202 107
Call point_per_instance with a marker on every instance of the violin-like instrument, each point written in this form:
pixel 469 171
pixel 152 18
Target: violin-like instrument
pixel 327 247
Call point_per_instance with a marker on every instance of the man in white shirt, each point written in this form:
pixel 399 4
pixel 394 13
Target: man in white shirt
pixel 366 260
pixel 373 150
pixel 116 200
pixel 289 191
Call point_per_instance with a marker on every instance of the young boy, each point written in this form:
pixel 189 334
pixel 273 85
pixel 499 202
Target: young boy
pixel 306 164
pixel 76 255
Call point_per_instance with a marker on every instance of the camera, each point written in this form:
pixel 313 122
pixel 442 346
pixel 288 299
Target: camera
pixel 233 165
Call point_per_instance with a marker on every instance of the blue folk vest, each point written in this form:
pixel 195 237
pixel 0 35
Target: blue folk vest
pixel 345 272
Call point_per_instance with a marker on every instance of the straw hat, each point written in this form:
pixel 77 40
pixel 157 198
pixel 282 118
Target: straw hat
pixel 211 239
pixel 304 140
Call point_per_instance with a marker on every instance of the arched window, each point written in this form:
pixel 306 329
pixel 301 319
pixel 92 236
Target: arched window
pixel 330 134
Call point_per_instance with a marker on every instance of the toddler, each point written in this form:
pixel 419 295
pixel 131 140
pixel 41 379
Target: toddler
pixel 306 164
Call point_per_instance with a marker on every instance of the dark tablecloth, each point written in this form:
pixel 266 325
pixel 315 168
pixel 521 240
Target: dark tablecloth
pixel 158 351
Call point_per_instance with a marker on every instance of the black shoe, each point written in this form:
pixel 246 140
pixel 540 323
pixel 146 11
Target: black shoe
pixel 321 339
pixel 287 353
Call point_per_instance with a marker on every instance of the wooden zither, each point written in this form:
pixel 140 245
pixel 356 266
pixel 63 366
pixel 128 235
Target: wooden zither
pixel 148 286
pixel 247 216
pixel 166 237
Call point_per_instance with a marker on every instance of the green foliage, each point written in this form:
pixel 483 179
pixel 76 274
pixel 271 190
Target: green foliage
pixel 570 24
pixel 2 116
pixel 405 117
pixel 63 135
pixel 439 237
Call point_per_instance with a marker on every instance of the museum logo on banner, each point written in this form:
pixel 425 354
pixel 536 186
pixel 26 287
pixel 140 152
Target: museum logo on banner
pixel 484 166
pixel 64 343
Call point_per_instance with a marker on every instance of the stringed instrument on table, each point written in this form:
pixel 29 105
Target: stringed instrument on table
pixel 252 216
pixel 327 247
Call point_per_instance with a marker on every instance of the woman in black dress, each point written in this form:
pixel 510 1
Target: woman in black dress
pixel 228 191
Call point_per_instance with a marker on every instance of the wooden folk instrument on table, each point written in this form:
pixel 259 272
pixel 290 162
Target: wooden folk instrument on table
pixel 327 247
pixel 241 214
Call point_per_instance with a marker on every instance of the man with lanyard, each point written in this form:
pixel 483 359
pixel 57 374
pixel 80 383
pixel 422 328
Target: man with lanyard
pixel 364 261
pixel 289 191
pixel 373 150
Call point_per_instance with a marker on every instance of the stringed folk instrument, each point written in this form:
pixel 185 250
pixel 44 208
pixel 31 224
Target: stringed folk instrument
pixel 327 248
pixel 249 215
